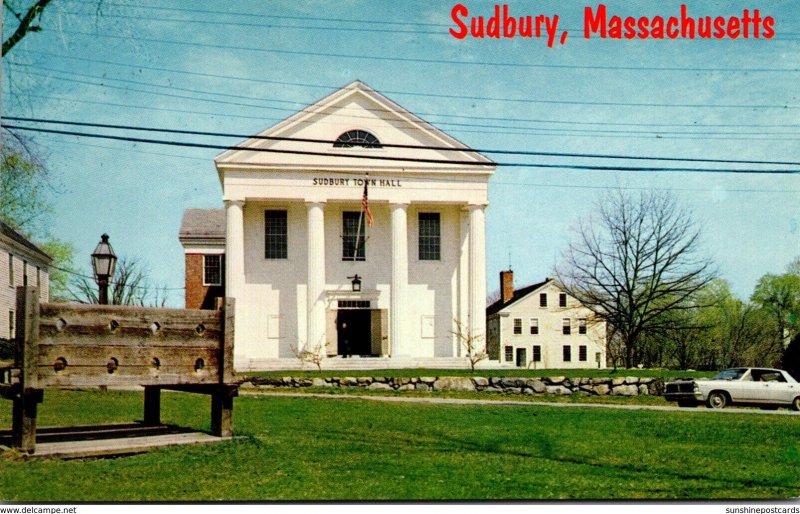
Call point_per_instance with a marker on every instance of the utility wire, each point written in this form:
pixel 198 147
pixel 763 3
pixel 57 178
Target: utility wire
pixel 409 159
pixel 417 93
pixel 403 146
pixel 386 58
pixel 383 110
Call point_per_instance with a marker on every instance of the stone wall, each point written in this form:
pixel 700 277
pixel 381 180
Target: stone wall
pixel 621 386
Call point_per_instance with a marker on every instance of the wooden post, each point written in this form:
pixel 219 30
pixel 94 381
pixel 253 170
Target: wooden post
pixel 222 411
pixel 152 405
pixel 226 352
pixel 26 359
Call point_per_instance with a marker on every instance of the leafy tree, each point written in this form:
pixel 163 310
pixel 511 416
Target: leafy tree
pixel 25 205
pixel 791 358
pixel 634 261
pixel 779 296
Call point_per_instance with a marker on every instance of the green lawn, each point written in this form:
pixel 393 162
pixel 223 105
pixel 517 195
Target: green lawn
pixel 322 449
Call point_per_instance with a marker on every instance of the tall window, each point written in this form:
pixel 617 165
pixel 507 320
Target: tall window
pixel 582 326
pixel 562 299
pixel 11 270
pixel 582 354
pixel 567 353
pixel 352 235
pixel 567 327
pixel 38 276
pixel 517 325
pixel 537 353
pixel 509 353
pixel 534 326
pixel 542 299
pixel 24 273
pixel 276 237
pixel 212 270
pixel 11 332
pixel 430 235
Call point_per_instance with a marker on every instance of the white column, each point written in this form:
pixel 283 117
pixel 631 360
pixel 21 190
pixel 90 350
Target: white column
pixel 234 247
pixel 315 336
pixel 398 312
pixel 477 271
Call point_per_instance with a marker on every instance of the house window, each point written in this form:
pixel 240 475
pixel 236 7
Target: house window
pixel 567 328
pixel 534 326
pixel 567 353
pixel 582 353
pixel 542 299
pixel 509 353
pixel 537 353
pixel 562 299
pixel 212 270
pixel 25 273
pixel 11 331
pixel 38 276
pixel 276 237
pixel 517 325
pixel 354 231
pixel 582 326
pixel 10 270
pixel 430 235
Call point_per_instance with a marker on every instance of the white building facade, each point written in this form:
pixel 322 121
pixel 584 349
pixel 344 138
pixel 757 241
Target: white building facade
pixel 542 327
pixel 21 264
pixel 306 269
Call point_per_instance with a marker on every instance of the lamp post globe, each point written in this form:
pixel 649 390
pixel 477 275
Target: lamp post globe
pixel 104 260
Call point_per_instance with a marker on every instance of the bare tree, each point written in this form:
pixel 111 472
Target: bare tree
pixel 130 285
pixel 473 344
pixel 309 355
pixel 634 261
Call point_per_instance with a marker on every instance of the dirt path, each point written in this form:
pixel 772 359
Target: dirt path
pixel 465 401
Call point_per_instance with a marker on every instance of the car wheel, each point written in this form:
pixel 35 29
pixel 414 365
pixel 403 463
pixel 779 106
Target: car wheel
pixel 796 403
pixel 717 400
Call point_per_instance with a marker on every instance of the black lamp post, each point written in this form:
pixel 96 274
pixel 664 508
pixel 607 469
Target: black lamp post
pixel 103 262
pixel 356 282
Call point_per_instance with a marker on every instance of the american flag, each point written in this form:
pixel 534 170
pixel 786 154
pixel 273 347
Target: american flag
pixel 365 203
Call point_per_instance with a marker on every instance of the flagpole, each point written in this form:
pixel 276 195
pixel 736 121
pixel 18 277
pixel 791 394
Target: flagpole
pixel 358 233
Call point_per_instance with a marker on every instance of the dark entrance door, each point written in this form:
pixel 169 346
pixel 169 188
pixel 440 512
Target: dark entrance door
pixel 353 327
pixel 521 358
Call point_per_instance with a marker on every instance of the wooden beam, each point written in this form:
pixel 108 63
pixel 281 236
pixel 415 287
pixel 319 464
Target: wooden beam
pixel 222 413
pixel 152 406
pixel 226 358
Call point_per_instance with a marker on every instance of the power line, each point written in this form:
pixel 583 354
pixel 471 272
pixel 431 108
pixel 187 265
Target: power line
pixel 493 181
pixel 382 110
pixel 285 17
pixel 418 93
pixel 516 132
pixel 384 58
pixel 331 142
pixel 409 159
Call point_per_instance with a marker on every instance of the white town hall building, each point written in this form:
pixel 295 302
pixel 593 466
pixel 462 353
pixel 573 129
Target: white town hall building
pixel 304 266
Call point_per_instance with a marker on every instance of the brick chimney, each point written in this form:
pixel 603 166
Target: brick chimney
pixel 506 286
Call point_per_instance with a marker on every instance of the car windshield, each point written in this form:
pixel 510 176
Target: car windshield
pixel 731 374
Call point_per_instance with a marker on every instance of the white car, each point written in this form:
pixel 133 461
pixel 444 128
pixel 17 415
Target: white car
pixel 769 388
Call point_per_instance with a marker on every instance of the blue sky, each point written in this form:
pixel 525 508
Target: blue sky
pixel 242 66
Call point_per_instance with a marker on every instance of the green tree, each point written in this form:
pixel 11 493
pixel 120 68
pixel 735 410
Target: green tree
pixel 779 296
pixel 26 205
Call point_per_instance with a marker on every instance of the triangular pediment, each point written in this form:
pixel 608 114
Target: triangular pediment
pixel 304 140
